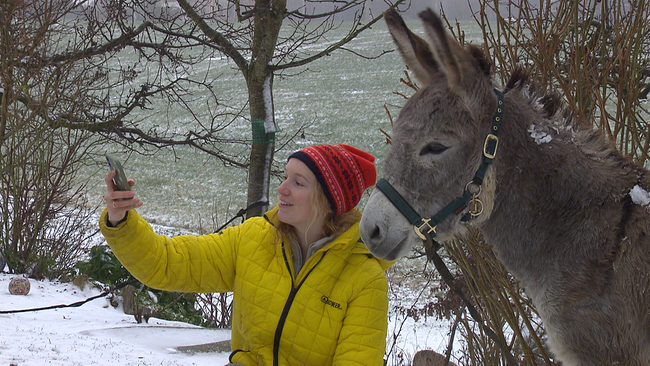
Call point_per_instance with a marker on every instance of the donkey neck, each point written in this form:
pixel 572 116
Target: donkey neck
pixel 555 179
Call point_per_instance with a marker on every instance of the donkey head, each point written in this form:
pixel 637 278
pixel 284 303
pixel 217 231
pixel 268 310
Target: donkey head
pixel 437 140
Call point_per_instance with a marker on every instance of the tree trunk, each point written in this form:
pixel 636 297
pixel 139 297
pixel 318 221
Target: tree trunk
pixel 263 147
pixel 268 21
pixel 261 158
pixel 258 177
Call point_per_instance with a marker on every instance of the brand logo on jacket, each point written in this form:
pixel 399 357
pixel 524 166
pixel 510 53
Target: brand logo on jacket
pixel 325 300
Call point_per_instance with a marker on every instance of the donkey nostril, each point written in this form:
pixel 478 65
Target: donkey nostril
pixel 376 234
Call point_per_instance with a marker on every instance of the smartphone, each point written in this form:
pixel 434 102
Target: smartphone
pixel 119 179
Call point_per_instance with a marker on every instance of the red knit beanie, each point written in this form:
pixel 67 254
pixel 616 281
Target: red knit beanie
pixel 343 171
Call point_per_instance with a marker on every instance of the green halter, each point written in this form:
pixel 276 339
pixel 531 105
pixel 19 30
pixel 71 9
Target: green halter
pixel 425 228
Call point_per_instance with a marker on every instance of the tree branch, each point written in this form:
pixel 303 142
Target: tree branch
pixel 346 5
pixel 222 42
pixel 334 46
pixel 120 42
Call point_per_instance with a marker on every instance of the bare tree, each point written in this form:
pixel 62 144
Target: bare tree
pixel 42 211
pixel 61 83
pixel 248 33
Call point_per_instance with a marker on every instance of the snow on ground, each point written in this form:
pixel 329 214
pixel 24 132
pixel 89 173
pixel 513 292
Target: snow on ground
pixel 96 333
pixel 92 334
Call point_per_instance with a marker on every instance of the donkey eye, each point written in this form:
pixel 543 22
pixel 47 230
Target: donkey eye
pixel 433 148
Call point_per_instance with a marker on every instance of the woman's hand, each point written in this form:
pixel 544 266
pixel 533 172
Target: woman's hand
pixel 119 202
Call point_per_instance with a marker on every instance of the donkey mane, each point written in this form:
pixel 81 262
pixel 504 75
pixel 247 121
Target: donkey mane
pixel 550 101
pixel 552 107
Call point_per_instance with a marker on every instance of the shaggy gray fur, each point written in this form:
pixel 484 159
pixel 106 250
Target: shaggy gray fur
pixel 565 212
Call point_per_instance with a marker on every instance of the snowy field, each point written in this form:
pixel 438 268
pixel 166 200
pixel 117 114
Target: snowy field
pixel 92 334
pixel 96 333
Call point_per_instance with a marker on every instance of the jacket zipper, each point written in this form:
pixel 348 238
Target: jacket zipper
pixel 287 305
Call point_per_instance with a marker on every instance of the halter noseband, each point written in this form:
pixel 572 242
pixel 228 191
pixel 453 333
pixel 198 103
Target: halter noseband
pixel 425 228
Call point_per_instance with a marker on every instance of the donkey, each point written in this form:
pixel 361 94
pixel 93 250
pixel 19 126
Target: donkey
pixel 564 211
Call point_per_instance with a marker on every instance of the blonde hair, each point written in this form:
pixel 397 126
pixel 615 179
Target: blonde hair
pixel 334 224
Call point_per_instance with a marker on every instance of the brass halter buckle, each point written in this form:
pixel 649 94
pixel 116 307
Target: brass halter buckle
pixel 419 231
pixel 493 154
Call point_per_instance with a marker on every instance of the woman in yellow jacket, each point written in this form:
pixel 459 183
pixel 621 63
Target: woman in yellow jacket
pixel 306 290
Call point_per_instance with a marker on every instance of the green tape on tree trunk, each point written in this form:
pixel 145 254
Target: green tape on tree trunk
pixel 259 132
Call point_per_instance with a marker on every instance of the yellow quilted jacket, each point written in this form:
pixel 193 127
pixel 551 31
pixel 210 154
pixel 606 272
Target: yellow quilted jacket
pixel 333 313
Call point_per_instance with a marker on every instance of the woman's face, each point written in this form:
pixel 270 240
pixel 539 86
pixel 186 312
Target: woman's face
pixel 295 206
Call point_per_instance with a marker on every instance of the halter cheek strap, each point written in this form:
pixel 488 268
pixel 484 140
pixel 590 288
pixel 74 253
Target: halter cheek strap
pixel 425 228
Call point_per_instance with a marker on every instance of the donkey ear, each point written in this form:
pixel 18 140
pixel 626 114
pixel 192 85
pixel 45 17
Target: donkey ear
pixel 445 50
pixel 414 50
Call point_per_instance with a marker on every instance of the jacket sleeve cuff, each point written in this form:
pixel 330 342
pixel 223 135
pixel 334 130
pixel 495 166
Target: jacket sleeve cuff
pixel 108 223
pixel 109 230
